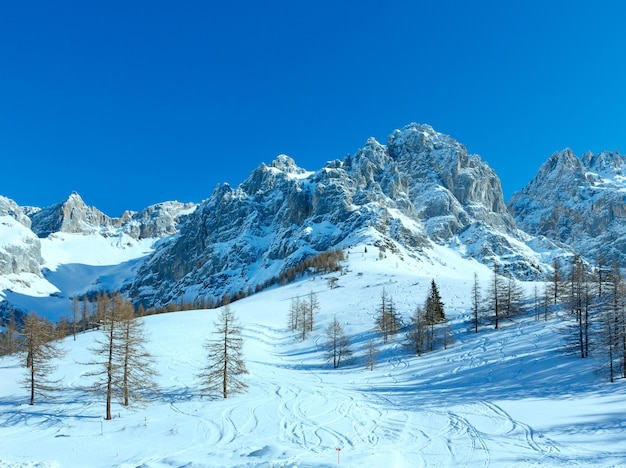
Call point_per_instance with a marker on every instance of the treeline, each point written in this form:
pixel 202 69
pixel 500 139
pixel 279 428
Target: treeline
pixel 326 262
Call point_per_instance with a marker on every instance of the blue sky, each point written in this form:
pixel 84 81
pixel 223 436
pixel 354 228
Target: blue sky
pixel 133 103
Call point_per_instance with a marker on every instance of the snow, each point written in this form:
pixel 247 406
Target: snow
pixel 75 264
pixel 508 397
pixel 92 249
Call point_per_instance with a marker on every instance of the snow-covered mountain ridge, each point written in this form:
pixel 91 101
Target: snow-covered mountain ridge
pixel 419 190
pixel 48 255
pixel 578 201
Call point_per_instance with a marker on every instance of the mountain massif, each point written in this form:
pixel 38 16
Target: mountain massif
pixel 418 192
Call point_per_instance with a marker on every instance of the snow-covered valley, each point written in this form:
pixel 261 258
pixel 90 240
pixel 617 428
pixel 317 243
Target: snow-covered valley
pixel 507 397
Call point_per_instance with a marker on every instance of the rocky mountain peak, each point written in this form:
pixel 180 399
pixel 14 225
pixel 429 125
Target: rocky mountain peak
pixel 419 189
pixel 577 201
pixel 287 165
pixel 606 163
pixel 71 215
pixel 8 207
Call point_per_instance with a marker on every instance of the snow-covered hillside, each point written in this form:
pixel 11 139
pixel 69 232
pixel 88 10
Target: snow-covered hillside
pixel 508 397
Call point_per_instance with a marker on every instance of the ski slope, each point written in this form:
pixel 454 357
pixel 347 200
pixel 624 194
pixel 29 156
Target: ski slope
pixel 508 397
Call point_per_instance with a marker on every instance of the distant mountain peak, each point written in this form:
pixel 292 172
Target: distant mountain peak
pixel 579 202
pixel 286 164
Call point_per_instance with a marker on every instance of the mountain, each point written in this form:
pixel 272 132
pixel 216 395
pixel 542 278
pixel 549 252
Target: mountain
pixel 419 190
pixel 74 216
pixel 48 255
pixel 20 249
pixel 578 201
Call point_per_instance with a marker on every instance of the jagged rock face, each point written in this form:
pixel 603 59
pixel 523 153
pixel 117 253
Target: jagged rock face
pixel 71 215
pixel 20 249
pixel 156 221
pixel 421 187
pixel 74 216
pixel 9 208
pixel 578 201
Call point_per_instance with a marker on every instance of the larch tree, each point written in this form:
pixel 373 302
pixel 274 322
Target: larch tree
pixel 122 367
pixel 312 306
pixel 387 321
pixel 105 366
pixel 75 307
pixel 9 343
pixel 475 302
pixel 579 299
pixel 496 289
pixel 223 373
pixel 418 335
pixel 136 364
pixel 41 349
pixel 555 288
pixel 337 345
pixel 371 353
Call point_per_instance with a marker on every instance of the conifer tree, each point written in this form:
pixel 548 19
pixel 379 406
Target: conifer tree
pixel 418 335
pixel 41 350
pixel 135 362
pixel 338 345
pixel 476 301
pixel 434 305
pixel 225 365
pixel 371 354
pixel 495 295
pixel 387 322
pixel 312 305
pixel 124 370
pixel 9 343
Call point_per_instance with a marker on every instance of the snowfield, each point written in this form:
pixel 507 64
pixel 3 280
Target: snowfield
pixel 508 397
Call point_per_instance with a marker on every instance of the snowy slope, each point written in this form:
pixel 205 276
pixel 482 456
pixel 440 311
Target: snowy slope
pixel 507 397
pixel 76 264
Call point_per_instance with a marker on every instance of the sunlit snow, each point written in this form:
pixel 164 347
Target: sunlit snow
pixel 508 397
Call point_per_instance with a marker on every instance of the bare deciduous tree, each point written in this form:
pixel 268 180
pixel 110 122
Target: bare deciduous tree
pixel 123 368
pixel 41 349
pixel 225 366
pixel 338 344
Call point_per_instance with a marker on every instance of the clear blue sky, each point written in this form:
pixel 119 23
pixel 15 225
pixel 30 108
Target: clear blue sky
pixel 135 102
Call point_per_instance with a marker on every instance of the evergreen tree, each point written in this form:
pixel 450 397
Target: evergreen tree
pixel 225 366
pixel 434 306
pixel 41 350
